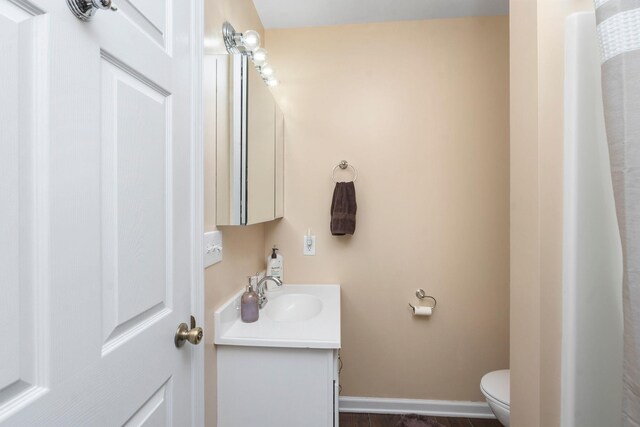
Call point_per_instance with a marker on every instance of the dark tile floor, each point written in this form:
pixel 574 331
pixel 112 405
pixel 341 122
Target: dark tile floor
pixel 386 420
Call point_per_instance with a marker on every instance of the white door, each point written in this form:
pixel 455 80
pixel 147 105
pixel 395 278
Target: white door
pixel 96 214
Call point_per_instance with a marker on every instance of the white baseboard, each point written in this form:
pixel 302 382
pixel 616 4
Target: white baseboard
pixel 436 408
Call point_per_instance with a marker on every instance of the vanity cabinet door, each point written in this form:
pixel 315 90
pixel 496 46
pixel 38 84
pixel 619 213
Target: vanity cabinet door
pixel 276 387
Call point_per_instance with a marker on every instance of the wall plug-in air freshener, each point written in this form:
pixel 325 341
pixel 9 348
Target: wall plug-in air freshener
pixel 309 244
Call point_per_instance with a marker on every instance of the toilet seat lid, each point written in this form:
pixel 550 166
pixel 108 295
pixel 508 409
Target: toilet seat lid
pixel 496 385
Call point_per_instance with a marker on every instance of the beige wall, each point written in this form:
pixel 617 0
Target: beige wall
pixel 243 246
pixel 537 55
pixel 421 109
pixel 525 255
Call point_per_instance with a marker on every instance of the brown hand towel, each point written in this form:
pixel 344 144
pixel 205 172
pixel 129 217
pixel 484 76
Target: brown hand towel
pixel 343 209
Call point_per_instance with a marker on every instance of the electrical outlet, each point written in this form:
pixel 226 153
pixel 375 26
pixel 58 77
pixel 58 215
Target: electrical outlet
pixel 309 245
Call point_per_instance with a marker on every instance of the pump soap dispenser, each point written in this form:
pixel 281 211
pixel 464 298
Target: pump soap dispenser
pixel 249 309
pixel 274 264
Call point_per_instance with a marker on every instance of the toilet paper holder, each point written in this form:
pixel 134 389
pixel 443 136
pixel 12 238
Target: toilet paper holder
pixel 421 294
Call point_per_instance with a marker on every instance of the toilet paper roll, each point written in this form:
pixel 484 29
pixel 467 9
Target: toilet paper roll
pixel 422 311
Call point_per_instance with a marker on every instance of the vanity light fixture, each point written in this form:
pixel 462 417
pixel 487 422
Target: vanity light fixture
pixel 248 44
pixel 266 70
pixel 259 57
pixel 243 43
pixel 251 40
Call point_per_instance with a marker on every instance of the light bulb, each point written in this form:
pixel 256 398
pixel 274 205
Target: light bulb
pixel 266 70
pixel 251 40
pixel 259 57
pixel 271 81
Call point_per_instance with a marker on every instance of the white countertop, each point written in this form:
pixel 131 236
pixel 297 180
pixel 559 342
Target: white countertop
pixel 321 331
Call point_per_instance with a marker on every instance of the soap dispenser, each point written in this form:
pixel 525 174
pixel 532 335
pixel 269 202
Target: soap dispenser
pixel 274 264
pixel 249 309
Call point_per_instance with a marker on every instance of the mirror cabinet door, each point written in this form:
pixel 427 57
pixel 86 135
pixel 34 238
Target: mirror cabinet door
pixel 279 172
pixel 260 159
pixel 249 145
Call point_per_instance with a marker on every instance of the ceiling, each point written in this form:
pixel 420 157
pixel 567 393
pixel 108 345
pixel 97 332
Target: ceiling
pixel 312 13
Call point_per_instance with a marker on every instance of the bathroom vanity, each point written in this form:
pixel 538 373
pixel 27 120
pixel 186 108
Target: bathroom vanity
pixel 283 369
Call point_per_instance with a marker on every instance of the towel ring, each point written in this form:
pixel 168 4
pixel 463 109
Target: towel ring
pixel 343 165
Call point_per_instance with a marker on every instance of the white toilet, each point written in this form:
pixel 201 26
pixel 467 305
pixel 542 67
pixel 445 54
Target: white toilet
pixel 495 387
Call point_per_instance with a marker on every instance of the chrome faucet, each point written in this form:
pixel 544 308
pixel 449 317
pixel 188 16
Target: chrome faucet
pixel 261 288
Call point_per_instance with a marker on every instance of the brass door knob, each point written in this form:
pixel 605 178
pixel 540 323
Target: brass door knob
pixel 193 335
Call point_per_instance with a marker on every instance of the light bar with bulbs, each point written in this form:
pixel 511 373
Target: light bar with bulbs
pixel 248 44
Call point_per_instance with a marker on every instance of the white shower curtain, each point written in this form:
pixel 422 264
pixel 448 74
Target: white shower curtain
pixel 619 30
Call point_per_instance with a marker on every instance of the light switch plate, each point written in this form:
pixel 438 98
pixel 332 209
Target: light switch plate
pixel 212 248
pixel 309 250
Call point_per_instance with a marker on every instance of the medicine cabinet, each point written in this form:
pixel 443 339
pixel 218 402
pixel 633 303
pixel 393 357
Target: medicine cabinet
pixel 250 145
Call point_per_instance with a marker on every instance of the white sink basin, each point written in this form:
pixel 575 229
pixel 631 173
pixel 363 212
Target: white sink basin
pixel 293 307
pixel 299 316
